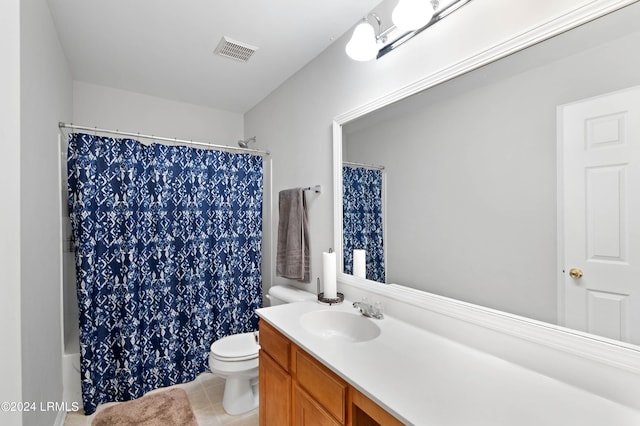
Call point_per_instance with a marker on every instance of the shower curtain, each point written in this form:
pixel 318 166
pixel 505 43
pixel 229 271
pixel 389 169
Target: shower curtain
pixel 167 258
pixel 362 219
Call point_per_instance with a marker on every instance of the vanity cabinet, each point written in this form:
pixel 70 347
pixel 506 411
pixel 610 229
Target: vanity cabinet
pixel 297 389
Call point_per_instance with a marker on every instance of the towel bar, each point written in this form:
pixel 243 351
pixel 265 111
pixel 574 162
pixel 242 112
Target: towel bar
pixel 317 189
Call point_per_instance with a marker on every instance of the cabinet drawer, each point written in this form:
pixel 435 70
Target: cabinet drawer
pixel 275 344
pixel 323 385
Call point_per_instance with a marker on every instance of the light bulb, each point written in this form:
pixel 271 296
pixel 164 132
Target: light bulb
pixel 362 46
pixel 410 15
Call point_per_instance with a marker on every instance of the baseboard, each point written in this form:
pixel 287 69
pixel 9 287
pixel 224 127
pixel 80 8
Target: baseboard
pixel 60 418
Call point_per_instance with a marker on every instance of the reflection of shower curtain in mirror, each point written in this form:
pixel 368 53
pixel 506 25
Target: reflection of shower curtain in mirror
pixel 362 219
pixel 167 258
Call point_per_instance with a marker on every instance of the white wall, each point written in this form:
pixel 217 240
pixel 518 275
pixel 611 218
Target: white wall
pixel 45 91
pixel 471 169
pixel 294 121
pixel 10 362
pixel 133 112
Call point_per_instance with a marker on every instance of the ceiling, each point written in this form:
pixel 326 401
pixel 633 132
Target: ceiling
pixel 164 48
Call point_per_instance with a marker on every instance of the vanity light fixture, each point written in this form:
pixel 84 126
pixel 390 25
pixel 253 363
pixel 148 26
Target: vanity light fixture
pixel 409 15
pixel 363 45
pixel 410 18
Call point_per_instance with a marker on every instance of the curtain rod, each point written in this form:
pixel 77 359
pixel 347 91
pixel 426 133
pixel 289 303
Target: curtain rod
pixel 62 125
pixel 368 166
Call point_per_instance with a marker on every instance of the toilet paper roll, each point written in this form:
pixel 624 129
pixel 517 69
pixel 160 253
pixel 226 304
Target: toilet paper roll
pixel 360 263
pixel 329 275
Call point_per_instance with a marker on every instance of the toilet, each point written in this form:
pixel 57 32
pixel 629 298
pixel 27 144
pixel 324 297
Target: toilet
pixel 281 294
pixel 235 357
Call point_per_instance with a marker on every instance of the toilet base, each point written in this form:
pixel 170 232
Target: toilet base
pixel 240 395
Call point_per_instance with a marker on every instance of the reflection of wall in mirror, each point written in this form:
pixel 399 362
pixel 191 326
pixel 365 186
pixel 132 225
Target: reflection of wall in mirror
pixel 471 171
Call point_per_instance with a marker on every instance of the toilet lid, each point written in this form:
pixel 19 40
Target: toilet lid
pixel 237 347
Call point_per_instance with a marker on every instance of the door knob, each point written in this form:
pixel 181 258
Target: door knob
pixel 575 273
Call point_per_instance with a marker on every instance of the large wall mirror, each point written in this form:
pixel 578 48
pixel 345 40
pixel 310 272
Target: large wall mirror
pixel 467 170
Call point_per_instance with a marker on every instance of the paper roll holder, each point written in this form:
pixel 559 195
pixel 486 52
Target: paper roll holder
pixel 329 300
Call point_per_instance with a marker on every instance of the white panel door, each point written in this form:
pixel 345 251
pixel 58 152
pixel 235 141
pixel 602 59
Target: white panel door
pixel 600 166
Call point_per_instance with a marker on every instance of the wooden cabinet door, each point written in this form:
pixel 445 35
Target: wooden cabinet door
pixel 321 384
pixel 275 393
pixel 307 412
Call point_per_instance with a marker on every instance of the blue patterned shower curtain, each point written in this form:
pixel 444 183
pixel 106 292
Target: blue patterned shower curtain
pixel 362 219
pixel 167 259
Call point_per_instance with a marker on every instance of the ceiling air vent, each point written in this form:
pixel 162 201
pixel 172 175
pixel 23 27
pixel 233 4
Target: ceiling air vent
pixel 235 49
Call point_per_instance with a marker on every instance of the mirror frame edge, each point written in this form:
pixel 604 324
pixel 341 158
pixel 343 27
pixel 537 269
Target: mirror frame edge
pixel 612 352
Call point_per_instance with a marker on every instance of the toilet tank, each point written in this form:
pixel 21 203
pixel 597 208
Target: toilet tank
pixel 281 294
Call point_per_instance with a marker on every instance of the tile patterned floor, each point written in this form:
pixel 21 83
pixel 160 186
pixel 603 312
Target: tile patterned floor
pixel 205 395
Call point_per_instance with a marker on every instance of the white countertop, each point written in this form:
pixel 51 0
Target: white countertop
pixel 425 379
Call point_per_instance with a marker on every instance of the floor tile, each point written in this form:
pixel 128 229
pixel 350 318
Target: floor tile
pixel 205 396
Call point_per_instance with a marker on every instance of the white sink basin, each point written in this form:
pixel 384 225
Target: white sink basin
pixel 340 325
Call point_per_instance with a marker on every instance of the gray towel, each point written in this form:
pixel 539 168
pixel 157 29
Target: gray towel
pixel 292 259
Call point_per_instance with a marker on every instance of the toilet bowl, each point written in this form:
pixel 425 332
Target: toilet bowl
pixel 235 357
